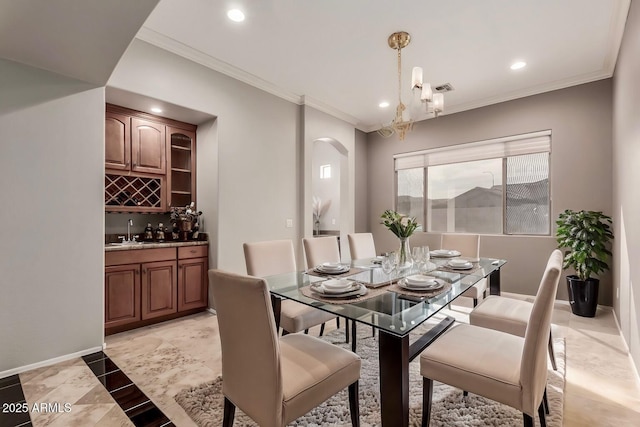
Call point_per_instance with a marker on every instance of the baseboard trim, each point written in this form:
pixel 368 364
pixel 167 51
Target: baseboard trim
pixel 211 310
pixel 49 362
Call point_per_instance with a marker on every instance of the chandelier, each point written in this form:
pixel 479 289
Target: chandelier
pixel 434 102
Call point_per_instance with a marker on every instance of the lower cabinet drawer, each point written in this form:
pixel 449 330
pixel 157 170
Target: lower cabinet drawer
pixel 193 251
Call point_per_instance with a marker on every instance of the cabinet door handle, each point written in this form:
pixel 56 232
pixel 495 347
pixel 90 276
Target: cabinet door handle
pixel 137 272
pixel 193 251
pixel 144 271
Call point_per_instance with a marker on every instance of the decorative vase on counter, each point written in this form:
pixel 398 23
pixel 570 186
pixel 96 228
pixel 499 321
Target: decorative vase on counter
pixel 405 262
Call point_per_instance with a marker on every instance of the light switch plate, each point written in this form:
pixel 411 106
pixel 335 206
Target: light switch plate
pixel 289 223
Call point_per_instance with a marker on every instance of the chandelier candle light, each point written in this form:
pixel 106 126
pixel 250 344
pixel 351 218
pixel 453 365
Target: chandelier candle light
pixel 434 102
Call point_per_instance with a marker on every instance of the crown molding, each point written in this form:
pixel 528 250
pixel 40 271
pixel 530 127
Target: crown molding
pixel 169 44
pixel 325 108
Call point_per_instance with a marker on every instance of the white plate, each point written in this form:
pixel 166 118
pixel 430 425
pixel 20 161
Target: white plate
pixel 322 269
pixel 444 253
pixel 358 290
pixel 420 280
pixel 403 284
pixel 458 262
pixel 337 285
pixel 457 266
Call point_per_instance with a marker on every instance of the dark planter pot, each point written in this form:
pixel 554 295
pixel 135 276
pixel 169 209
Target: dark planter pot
pixel 583 295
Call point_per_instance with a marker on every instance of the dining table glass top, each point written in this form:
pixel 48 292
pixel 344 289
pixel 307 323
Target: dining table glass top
pixel 390 311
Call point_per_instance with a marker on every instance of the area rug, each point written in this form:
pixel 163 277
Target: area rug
pixel 204 403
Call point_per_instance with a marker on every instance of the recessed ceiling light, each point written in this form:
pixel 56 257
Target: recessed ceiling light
pixel 235 15
pixel 383 104
pixel 518 65
pixel 156 110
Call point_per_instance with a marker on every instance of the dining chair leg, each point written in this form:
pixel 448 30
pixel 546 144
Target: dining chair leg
pixel 229 413
pixel 465 393
pixel 337 323
pixel 354 404
pixel 353 336
pixel 528 421
pixel 285 332
pixel 475 302
pixel 321 330
pixel 306 331
pixel 545 401
pixel 373 329
pixel 543 421
pixel 552 354
pixel 427 392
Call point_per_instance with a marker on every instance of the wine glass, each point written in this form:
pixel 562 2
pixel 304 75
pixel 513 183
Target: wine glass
pixel 417 253
pixel 389 264
pixel 426 257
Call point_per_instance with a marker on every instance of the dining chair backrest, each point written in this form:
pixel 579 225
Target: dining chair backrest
pixel 361 245
pixel 467 244
pixel 250 348
pixel 321 249
pixel 533 372
pixel 269 257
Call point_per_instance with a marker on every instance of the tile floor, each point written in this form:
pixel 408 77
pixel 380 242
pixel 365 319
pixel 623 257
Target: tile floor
pixel 163 359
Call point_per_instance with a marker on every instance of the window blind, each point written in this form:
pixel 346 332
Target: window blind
pixel 530 143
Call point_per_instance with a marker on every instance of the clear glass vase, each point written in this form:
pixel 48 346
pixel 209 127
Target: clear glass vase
pixel 405 262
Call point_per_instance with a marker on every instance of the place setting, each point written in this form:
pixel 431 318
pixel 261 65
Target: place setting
pixel 335 290
pixel 420 285
pixel 459 265
pixel 444 253
pixel 332 269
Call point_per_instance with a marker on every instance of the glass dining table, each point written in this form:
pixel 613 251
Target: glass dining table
pixel 394 314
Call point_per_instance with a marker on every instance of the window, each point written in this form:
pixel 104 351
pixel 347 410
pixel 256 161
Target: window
pixel 493 187
pixel 411 192
pixel 325 171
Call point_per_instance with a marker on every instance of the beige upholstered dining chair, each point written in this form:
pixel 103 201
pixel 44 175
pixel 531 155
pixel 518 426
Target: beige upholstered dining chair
pixel 361 245
pixel 469 247
pixel 274 380
pixel 503 367
pixel 276 257
pixel 508 315
pixel 318 250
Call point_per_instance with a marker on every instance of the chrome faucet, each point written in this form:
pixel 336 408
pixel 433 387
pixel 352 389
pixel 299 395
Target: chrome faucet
pixel 129 224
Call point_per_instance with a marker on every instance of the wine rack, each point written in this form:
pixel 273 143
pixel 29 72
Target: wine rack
pixel 130 193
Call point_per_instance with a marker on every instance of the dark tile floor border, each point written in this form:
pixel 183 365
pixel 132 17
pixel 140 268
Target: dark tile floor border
pixel 136 405
pixel 14 411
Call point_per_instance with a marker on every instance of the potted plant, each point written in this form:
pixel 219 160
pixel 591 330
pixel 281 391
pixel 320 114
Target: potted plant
pixel 586 236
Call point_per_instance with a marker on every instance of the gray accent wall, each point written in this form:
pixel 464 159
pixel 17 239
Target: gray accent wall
pixel 580 120
pixel 52 183
pixel 626 182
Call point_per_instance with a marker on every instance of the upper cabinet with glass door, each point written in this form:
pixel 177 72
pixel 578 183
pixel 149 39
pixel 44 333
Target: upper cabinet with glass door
pixel 181 179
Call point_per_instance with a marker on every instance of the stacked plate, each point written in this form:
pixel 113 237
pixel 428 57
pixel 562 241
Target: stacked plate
pixel 419 282
pixel 444 253
pixel 341 288
pixel 332 268
pixel 460 264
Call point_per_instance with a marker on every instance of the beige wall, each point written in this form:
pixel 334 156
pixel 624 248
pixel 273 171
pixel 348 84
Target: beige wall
pixel 249 184
pixel 626 179
pixel 52 183
pixel 580 121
